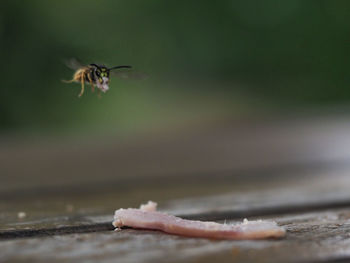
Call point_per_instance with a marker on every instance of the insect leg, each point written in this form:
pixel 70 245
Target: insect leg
pixel 91 83
pixel 82 79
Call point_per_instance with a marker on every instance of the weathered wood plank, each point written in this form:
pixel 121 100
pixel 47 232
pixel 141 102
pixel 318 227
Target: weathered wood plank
pixel 309 192
pixel 221 174
pixel 316 193
pixel 310 237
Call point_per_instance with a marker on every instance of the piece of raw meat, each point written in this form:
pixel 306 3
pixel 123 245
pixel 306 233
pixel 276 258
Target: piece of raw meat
pixel 148 218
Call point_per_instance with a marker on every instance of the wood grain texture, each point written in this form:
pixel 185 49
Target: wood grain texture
pixel 311 236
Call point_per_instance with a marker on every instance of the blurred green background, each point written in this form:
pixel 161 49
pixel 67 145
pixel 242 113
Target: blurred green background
pixel 205 60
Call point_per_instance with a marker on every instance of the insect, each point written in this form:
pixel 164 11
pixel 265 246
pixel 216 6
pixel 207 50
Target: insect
pixel 95 75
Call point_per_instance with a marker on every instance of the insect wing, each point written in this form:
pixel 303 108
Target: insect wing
pixel 74 64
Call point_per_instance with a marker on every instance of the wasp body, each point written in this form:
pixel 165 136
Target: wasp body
pixel 93 74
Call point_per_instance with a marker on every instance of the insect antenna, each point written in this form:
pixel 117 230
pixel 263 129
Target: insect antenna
pixel 117 67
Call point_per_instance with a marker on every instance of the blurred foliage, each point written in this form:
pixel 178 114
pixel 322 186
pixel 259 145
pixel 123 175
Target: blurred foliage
pixel 289 52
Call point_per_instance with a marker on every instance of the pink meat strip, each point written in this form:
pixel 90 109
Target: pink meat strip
pixel 148 218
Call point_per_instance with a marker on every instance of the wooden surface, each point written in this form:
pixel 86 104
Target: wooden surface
pixel 296 172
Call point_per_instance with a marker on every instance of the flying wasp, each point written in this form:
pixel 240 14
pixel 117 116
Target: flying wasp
pixel 96 75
